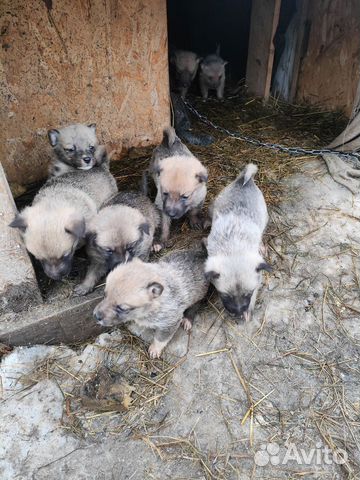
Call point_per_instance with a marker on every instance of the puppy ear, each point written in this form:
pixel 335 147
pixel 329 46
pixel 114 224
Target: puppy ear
pixel 211 275
pixel 225 62
pixel 264 266
pixel 19 222
pixel 157 170
pixel 155 289
pixel 145 228
pixel 101 155
pixel 202 176
pixel 76 227
pixel 92 126
pixel 198 60
pixel 53 136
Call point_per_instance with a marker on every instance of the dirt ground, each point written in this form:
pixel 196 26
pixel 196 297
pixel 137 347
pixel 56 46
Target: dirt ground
pixel 278 398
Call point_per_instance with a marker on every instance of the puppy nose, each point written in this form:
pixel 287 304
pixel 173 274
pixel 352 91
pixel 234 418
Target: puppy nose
pixel 172 214
pixel 98 316
pixel 87 159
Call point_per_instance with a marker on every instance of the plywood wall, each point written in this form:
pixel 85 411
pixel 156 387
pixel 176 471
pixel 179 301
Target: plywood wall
pixel 330 71
pixel 70 61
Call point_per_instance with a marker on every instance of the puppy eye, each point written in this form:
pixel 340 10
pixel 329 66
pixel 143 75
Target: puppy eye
pixel 66 256
pixel 91 148
pixel 71 149
pixel 108 251
pixel 165 194
pixel 122 309
pixel 185 196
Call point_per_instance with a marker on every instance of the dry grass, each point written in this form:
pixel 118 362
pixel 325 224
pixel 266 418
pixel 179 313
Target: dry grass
pixel 147 379
pixel 275 122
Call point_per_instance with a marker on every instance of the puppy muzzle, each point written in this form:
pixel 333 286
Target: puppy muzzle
pixel 236 310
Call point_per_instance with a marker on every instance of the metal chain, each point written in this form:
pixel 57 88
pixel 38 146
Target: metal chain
pixel 353 157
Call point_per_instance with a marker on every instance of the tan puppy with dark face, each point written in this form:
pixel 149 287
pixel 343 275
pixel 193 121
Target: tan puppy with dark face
pixel 123 229
pixel 56 223
pixel 181 181
pixel 159 296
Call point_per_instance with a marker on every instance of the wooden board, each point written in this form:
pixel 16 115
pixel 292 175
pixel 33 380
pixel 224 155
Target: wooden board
pixel 18 285
pixel 264 21
pixel 302 5
pixel 66 321
pixel 330 72
pixel 77 61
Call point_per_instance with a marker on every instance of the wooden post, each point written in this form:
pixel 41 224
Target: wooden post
pixel 264 22
pixel 18 285
pixel 69 320
pixel 302 5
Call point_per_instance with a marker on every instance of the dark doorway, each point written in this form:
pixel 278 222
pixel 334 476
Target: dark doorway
pixel 199 25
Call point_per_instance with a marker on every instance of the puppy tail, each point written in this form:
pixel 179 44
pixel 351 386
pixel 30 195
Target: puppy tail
pixel 169 137
pixel 248 173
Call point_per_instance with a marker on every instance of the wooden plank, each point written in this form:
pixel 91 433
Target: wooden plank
pixel 18 285
pixel 302 6
pixel 62 321
pixel 264 22
pixel 330 71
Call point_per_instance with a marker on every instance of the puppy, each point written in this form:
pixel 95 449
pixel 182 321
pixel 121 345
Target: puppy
pixel 234 264
pixel 181 181
pixel 123 229
pixel 212 75
pixel 55 224
pixel 185 65
pixel 75 147
pixel 159 295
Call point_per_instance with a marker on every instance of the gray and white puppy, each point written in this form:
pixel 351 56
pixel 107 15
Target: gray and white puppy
pixel 75 147
pixel 123 229
pixel 181 181
pixel 212 75
pixel 185 64
pixel 159 295
pixel 56 223
pixel 234 264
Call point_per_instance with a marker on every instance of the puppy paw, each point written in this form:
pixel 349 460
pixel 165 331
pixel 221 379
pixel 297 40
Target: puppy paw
pixel 196 222
pixel 82 289
pixel 186 324
pixel 207 223
pixel 247 316
pixel 204 242
pixel 263 250
pixel 155 350
pixel 157 247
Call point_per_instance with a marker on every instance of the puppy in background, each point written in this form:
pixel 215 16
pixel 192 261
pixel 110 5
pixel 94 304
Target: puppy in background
pixel 123 229
pixel 159 296
pixel 234 265
pixel 184 68
pixel 75 147
pixel 212 75
pixel 181 182
pixel 55 225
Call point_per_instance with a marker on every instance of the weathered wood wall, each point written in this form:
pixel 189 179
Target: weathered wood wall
pixel 264 21
pixel 330 71
pixel 70 61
